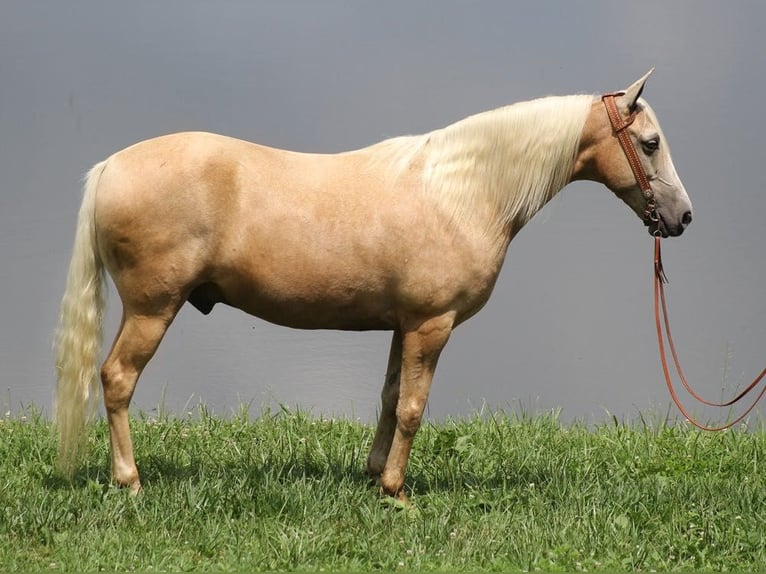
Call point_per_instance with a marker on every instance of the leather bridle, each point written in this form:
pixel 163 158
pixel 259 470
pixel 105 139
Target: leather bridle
pixel 620 125
pixel 651 217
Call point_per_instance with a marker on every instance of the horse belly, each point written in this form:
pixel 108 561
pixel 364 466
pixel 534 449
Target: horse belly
pixel 300 299
pixel 365 267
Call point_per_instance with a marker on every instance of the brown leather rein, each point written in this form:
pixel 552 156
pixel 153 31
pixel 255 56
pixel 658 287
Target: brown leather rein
pixel 651 217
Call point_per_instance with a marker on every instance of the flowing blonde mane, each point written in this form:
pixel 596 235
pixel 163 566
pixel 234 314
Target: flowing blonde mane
pixel 514 158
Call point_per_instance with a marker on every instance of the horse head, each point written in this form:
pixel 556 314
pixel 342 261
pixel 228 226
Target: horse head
pixel 661 201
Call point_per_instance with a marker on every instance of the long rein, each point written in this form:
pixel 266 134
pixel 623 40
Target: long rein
pixel 660 279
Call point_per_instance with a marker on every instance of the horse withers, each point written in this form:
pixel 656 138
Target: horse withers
pixel 407 235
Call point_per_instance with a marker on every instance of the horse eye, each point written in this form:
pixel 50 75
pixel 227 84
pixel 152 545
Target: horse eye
pixel 651 145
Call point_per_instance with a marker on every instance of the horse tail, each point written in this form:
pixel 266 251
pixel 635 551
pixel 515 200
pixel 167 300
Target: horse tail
pixel 78 336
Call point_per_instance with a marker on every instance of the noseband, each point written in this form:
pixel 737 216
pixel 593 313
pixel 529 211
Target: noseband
pixel 619 126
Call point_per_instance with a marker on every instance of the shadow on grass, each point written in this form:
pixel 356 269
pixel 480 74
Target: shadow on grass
pixel 244 461
pixel 159 469
pixel 332 474
pixel 82 478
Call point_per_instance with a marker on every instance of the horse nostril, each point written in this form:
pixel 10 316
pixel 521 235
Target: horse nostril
pixel 687 218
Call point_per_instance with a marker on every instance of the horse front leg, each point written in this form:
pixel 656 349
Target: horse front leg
pixel 384 435
pixel 421 345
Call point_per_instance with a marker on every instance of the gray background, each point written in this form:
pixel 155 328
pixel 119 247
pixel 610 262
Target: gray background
pixel 569 325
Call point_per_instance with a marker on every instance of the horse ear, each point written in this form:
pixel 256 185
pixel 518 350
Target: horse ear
pixel 632 93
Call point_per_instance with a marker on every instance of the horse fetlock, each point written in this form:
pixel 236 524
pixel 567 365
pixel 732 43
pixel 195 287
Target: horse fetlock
pixel 125 474
pixel 132 485
pixel 392 484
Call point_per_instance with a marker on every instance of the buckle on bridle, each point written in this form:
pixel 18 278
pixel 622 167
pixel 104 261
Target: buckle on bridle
pixel 650 213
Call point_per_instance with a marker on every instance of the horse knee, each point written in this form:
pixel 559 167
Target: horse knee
pixel 409 414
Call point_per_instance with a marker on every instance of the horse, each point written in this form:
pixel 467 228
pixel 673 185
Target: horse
pixel 407 235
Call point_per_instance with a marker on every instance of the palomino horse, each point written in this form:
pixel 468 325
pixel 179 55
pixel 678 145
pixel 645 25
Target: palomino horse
pixel 406 235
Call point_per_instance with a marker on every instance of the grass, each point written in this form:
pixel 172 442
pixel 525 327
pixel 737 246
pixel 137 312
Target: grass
pixel 285 491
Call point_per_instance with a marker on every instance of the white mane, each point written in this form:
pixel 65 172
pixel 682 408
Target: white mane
pixel 514 159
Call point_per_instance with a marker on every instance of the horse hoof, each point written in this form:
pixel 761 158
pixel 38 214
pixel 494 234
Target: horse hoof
pixel 398 501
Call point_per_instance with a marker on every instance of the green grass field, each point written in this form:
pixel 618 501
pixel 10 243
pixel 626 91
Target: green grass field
pixel 285 491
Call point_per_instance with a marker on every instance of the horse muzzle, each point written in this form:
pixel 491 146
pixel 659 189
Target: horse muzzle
pixel 669 227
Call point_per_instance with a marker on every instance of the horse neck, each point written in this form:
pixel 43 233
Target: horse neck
pixel 504 165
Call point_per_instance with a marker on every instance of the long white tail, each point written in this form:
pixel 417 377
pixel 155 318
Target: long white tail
pixel 78 337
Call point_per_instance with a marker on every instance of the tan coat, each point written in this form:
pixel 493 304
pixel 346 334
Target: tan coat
pixel 407 235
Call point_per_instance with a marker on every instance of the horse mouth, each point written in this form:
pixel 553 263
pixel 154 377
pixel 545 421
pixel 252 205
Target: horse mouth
pixel 657 227
pixel 663 229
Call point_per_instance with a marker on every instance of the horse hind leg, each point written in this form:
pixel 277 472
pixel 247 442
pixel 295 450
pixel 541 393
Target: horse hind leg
pixel 135 344
pixel 384 434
